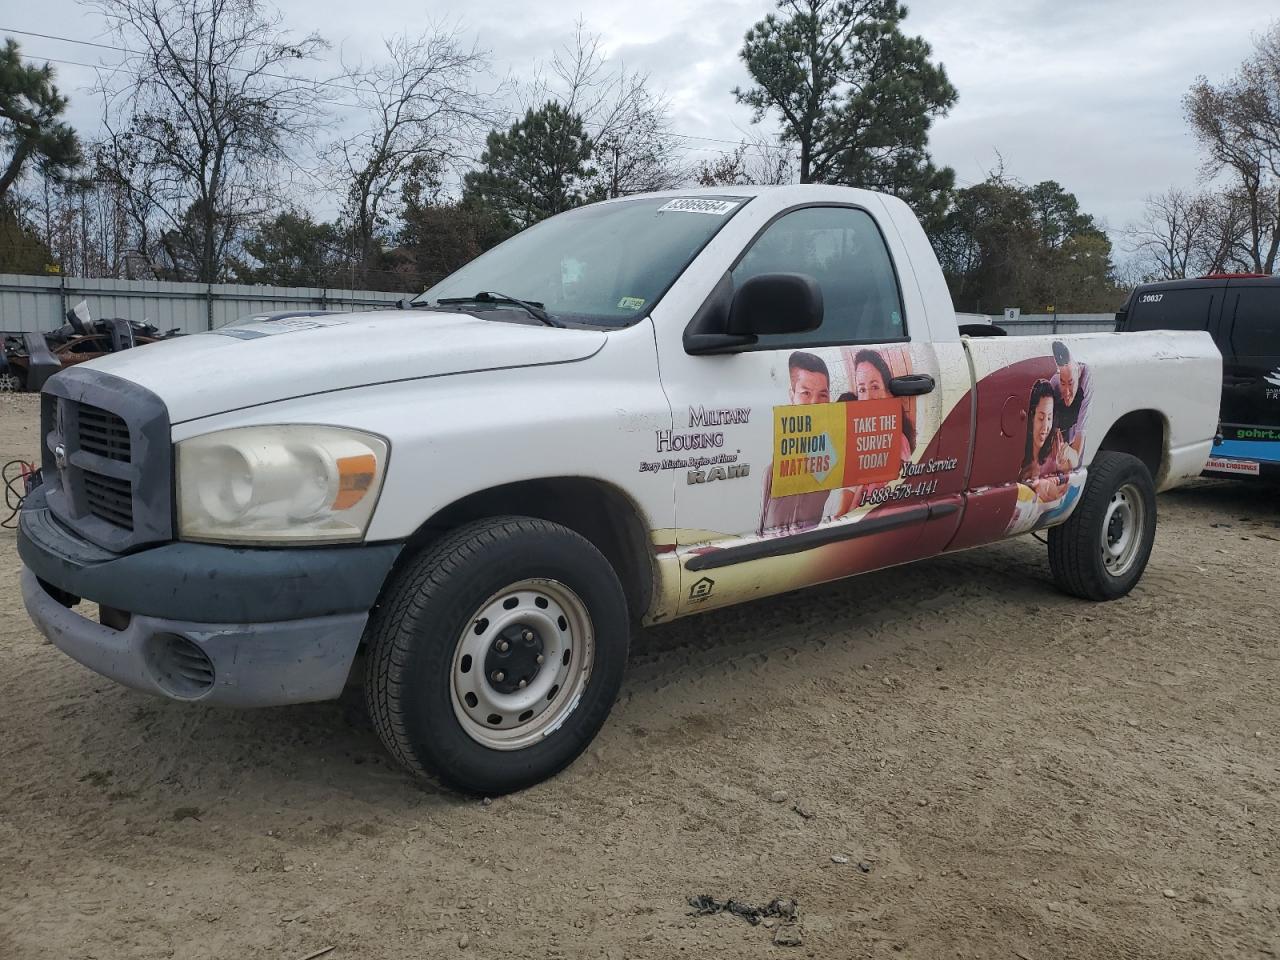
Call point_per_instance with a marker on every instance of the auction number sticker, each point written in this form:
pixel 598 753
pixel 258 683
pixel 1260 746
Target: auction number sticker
pixel 717 208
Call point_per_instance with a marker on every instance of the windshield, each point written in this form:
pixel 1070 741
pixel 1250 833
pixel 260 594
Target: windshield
pixel 604 264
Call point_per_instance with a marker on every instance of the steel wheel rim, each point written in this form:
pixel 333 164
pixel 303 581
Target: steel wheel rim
pixel 564 639
pixel 1122 528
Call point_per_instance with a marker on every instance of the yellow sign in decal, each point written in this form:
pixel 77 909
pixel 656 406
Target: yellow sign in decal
pixel 825 446
pixel 808 448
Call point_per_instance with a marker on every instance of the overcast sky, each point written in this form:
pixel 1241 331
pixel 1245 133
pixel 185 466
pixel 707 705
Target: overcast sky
pixel 1086 92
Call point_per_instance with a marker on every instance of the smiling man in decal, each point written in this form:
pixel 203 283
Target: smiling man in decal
pixel 810 383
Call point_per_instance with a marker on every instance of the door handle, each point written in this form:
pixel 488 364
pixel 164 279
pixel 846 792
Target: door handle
pixel 911 385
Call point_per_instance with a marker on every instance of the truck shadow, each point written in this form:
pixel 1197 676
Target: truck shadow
pixel 862 611
pixel 322 749
pixel 1243 500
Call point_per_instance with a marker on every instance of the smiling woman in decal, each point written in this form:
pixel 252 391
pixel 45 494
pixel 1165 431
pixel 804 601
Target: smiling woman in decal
pixel 1042 459
pixel 871 377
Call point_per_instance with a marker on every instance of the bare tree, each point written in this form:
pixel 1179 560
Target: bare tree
pixel 200 117
pixel 1166 241
pixel 424 113
pixel 634 146
pixel 1237 122
pixel 1182 234
pixel 80 220
pixel 753 161
pixel 1226 243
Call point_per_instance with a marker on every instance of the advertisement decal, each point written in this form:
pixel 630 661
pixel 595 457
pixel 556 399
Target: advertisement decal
pixel 1051 475
pixel 702 435
pixel 833 445
pixel 833 452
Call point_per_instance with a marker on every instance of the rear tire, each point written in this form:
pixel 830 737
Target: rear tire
pixel 1102 550
pixel 496 654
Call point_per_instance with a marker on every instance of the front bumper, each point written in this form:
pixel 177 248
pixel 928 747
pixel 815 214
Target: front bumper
pixel 236 664
pixel 242 627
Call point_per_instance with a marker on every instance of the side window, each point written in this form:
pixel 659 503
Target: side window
pixel 1256 331
pixel 842 249
pixel 1174 309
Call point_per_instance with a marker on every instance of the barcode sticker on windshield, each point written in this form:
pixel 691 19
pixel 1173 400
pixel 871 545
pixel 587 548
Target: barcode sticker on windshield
pixel 717 208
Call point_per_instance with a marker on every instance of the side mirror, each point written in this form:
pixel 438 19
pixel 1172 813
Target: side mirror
pixel 775 303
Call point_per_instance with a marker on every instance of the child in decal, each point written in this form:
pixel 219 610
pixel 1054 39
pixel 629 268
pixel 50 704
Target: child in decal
pixel 810 383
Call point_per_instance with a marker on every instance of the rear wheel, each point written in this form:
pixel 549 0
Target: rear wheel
pixel 497 654
pixel 1102 550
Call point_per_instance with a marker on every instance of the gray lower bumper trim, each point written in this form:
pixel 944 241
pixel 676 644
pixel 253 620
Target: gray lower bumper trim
pixel 205 582
pixel 254 664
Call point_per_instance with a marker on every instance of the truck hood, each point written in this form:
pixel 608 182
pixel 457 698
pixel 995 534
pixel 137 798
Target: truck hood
pixel 267 361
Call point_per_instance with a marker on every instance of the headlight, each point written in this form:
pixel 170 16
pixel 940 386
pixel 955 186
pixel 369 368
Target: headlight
pixel 279 484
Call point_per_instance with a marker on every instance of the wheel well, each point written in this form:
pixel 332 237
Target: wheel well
pixel 595 510
pixel 1140 433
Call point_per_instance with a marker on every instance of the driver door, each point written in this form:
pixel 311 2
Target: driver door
pixel 789 455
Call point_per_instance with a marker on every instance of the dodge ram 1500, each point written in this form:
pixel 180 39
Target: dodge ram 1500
pixel 634 411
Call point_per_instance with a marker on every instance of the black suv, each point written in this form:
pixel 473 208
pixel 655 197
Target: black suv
pixel 1242 312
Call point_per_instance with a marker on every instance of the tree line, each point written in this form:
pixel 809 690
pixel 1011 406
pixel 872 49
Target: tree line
pixel 217 138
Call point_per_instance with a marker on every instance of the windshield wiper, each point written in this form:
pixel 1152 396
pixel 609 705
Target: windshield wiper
pixel 532 307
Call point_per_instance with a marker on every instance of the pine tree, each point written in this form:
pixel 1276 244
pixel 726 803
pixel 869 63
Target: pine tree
pixel 30 106
pixel 538 168
pixel 855 95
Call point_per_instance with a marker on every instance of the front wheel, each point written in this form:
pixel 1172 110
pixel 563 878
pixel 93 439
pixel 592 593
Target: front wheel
pixel 1102 550
pixel 497 654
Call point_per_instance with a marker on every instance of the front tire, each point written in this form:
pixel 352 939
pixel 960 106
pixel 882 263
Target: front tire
pixel 496 654
pixel 1102 550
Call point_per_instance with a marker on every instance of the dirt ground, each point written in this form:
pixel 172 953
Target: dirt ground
pixel 1009 773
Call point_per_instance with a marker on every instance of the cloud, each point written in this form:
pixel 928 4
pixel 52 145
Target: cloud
pixel 1087 93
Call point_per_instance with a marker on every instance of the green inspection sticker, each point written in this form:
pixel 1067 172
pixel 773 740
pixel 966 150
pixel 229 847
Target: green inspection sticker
pixel 631 303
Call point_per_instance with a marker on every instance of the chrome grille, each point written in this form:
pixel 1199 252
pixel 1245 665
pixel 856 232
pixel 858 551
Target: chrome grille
pixel 104 434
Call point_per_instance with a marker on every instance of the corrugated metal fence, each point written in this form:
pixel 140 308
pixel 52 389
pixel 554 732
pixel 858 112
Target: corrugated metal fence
pixel 1033 324
pixel 40 303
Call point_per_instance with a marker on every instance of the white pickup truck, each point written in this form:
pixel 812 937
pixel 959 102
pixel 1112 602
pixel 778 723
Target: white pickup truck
pixel 634 411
